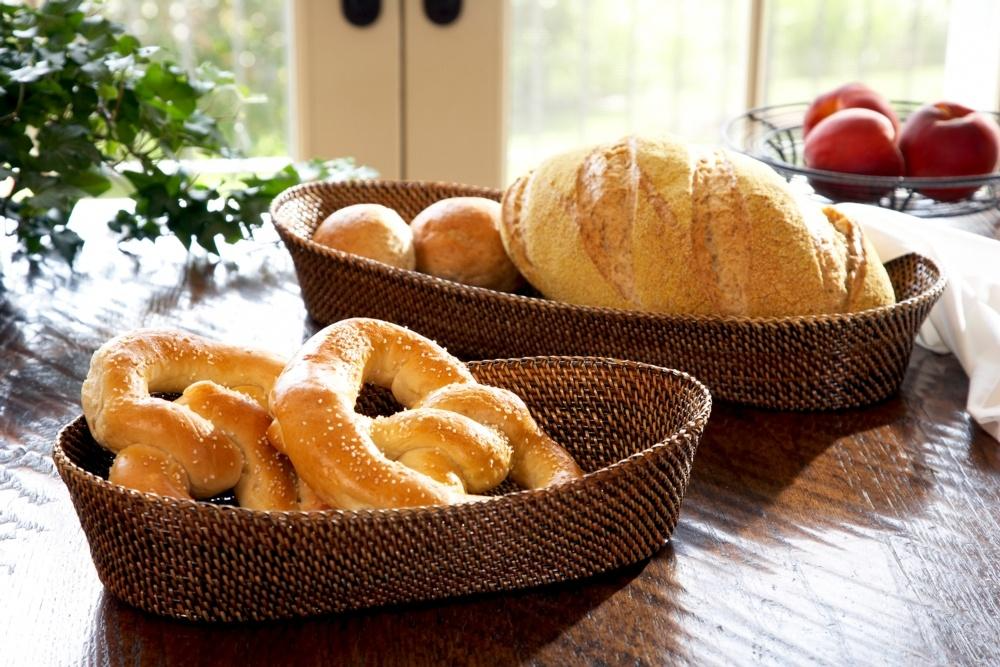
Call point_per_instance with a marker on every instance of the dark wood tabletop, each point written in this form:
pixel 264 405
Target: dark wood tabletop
pixel 856 537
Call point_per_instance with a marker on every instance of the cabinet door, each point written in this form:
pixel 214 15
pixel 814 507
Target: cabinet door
pixel 405 95
pixel 346 85
pixel 453 94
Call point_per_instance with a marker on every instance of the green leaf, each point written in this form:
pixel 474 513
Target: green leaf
pixel 115 65
pixel 79 95
pixel 94 183
pixel 150 177
pixel 64 147
pixel 66 242
pixel 167 90
pixel 125 132
pixel 15 145
pixel 35 181
pixel 175 182
pixel 58 195
pixel 80 54
pixel 106 90
pixel 84 101
pixel 127 44
pixel 31 73
pixel 131 226
pixel 275 184
pixel 154 201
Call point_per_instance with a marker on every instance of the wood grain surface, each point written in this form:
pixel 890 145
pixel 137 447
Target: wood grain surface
pixel 857 537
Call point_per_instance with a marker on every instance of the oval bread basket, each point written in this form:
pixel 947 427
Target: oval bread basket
pixel 819 362
pixel 634 428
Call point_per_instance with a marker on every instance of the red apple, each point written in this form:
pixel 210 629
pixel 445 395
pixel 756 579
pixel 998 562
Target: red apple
pixel 848 96
pixel 853 141
pixel 948 139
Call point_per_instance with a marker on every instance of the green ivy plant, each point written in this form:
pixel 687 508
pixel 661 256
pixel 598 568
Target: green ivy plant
pixel 83 105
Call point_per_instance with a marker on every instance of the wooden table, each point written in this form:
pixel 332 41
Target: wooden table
pixel 863 536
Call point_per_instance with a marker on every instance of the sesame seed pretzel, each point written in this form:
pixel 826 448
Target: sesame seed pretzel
pixel 211 439
pixel 456 439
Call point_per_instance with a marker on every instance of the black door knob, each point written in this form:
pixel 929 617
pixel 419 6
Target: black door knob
pixel 442 12
pixel 361 12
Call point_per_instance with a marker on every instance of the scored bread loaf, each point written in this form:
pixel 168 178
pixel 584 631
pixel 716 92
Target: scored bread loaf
pixel 662 226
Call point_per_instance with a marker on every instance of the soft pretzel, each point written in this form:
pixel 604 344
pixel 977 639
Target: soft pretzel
pixel 425 456
pixel 537 460
pixel 209 440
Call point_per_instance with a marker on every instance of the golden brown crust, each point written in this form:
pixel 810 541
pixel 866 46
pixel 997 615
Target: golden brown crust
pixel 338 453
pixel 150 470
pixel 719 226
pixel 537 460
pixel 866 284
pixel 666 227
pixel 369 230
pixel 447 447
pixel 459 239
pixel 212 433
pixel 603 204
pixel 510 222
pixel 266 481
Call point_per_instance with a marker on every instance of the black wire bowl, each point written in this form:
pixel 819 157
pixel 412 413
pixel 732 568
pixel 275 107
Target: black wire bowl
pixel 773 135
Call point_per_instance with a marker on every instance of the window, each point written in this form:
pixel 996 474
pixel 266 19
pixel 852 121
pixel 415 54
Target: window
pixel 246 37
pixel 590 70
pixel 895 46
pixel 587 71
pixel 514 81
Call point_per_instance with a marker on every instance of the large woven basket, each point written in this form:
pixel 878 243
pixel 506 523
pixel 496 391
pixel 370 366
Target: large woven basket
pixel 793 363
pixel 634 428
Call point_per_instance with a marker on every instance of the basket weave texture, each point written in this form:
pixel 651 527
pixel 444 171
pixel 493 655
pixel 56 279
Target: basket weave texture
pixel 820 362
pixel 634 428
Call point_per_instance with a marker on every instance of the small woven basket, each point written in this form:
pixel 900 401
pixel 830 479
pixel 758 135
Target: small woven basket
pixel 820 362
pixel 634 428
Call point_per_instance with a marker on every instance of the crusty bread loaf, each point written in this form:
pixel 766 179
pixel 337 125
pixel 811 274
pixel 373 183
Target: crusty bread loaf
pixel 661 226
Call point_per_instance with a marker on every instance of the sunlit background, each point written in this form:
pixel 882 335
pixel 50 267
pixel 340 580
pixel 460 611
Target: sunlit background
pixel 249 38
pixel 590 70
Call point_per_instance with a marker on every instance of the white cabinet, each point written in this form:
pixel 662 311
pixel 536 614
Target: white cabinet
pixel 409 97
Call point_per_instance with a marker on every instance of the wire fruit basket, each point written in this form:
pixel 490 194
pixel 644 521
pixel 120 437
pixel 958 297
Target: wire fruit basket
pixel 773 135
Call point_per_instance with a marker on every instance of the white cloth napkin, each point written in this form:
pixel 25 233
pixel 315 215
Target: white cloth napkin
pixel 966 320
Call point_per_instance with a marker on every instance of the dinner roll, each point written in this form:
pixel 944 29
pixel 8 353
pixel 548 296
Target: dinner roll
pixel 369 230
pixel 459 239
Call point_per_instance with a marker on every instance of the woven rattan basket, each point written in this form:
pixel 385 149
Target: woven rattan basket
pixel 793 363
pixel 634 428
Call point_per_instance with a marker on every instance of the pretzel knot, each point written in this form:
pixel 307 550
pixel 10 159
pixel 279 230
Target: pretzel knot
pixel 209 440
pixel 458 438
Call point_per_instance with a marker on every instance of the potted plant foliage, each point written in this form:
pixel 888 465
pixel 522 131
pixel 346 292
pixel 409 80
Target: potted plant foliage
pixel 85 107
